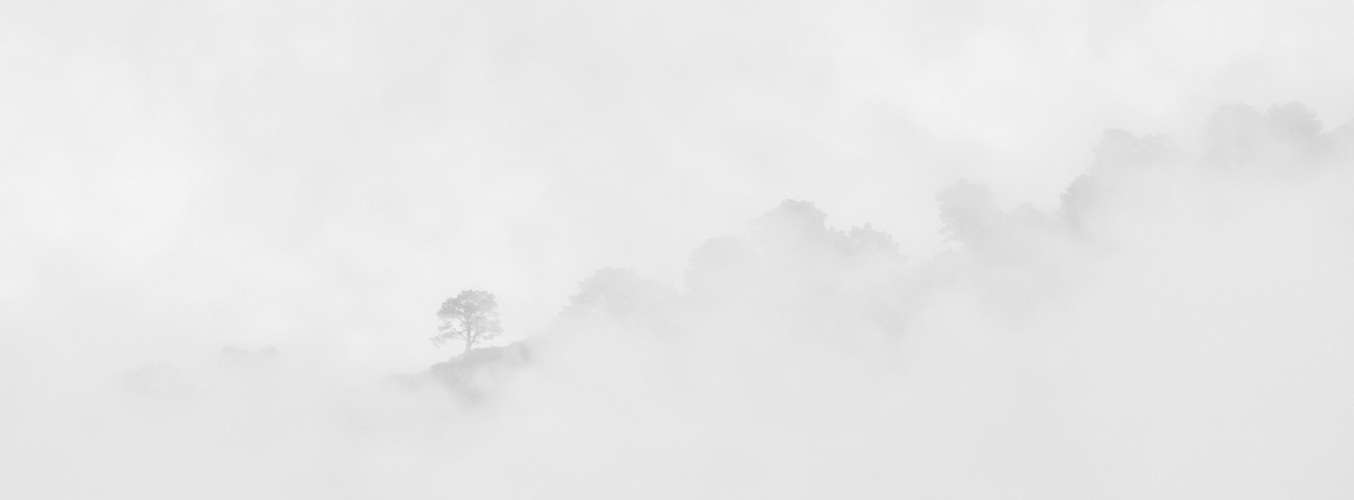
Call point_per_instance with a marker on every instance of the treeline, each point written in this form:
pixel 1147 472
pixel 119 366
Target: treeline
pixel 791 274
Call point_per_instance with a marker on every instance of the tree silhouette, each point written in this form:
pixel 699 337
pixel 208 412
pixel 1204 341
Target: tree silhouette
pixel 471 316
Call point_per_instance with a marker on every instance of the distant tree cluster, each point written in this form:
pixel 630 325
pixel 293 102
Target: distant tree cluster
pixel 1240 137
pixel 791 269
pixel 618 294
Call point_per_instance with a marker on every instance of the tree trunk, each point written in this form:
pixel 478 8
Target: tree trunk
pixel 470 333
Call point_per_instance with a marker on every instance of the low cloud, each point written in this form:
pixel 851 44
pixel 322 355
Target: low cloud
pixel 1178 325
pixel 225 229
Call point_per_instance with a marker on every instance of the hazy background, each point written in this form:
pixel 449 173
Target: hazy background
pixel 317 177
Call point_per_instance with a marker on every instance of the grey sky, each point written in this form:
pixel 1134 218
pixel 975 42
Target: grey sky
pixel 363 160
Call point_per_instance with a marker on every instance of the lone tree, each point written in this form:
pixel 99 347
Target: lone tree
pixel 471 316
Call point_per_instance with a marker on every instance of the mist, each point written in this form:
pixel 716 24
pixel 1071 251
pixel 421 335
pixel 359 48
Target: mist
pixel 804 250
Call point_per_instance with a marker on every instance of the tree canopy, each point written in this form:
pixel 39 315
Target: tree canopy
pixel 471 316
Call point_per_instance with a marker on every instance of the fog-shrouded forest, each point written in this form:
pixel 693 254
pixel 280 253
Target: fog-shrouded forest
pixel 804 250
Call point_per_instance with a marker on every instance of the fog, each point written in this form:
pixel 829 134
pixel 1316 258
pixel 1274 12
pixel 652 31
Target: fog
pixel 755 250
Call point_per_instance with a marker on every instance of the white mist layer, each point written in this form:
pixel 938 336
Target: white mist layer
pixel 1199 346
pixel 176 177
